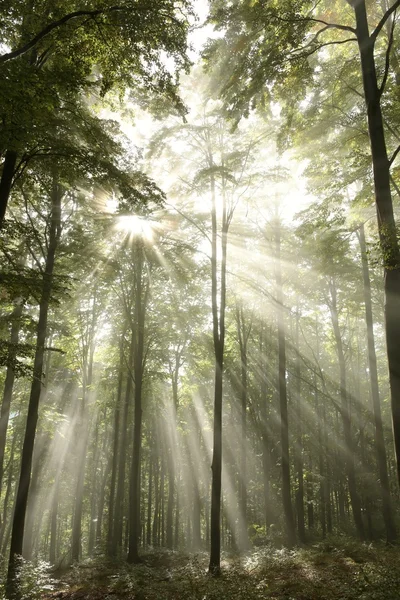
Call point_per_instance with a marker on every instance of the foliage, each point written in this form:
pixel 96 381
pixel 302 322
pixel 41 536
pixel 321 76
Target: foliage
pixel 337 569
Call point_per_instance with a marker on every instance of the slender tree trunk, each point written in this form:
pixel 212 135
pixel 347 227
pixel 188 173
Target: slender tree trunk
pixel 385 215
pixel 219 342
pixel 156 503
pixel 84 431
pixel 9 382
pixel 243 335
pixel 10 161
pixel 283 404
pixel 345 414
pixel 299 445
pixel 171 453
pixel 7 494
pixel 149 499
pixel 380 448
pixel 111 547
pixel 141 295
pixel 94 490
pixel 36 388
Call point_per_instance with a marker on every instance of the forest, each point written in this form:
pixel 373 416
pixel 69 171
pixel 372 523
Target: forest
pixel 200 299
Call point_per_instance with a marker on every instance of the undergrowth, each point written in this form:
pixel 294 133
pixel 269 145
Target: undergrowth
pixel 336 569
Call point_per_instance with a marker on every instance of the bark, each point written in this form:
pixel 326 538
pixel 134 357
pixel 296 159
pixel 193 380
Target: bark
pixel 299 446
pixel 93 489
pixel 34 398
pixel 117 418
pixel 219 342
pixel 10 161
pixel 156 503
pixel 83 441
pixel 380 448
pixel 243 336
pixel 119 497
pixel 7 495
pixel 345 415
pixel 265 437
pixel 141 295
pixel 385 215
pixel 9 382
pixel 149 500
pixel 283 403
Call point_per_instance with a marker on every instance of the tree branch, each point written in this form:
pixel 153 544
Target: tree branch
pixel 303 52
pixel 382 22
pixel 313 20
pixel 387 58
pixel 55 25
pixel 395 153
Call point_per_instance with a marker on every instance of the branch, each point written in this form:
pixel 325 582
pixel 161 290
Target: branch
pixel 387 59
pixel 395 153
pixel 55 25
pixel 382 22
pixel 303 53
pixel 313 20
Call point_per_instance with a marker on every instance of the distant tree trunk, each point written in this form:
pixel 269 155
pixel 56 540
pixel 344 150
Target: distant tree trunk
pixel 149 500
pixel 111 546
pixel 321 461
pixel 36 388
pixel 161 528
pixel 7 494
pixel 177 513
pixel 344 409
pixel 102 501
pixel 299 442
pixel 156 503
pixel 9 382
pixel 218 317
pixel 243 333
pixel 83 432
pixel 384 206
pixel 123 449
pixel 10 161
pixel 174 372
pixel 265 434
pixel 283 404
pixel 196 542
pixel 94 489
pixel 140 303
pixel 34 491
pixel 373 374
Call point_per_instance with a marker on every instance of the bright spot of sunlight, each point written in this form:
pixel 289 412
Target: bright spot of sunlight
pixel 135 226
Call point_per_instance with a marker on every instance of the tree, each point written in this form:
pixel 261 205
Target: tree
pixel 288 61
pixel 60 50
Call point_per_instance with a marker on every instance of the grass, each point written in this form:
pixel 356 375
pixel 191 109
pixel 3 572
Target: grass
pixel 331 570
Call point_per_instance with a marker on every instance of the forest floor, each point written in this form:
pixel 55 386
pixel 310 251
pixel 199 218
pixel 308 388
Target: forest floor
pixel 344 571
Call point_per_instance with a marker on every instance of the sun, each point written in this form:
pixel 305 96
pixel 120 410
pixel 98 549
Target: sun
pixel 135 226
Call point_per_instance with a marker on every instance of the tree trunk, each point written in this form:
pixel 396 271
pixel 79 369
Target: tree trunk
pixel 10 161
pixel 385 216
pixel 299 445
pixel 9 382
pixel 8 492
pixel 283 404
pixel 141 295
pixel 83 440
pixel 156 503
pixel 243 333
pixel 111 547
pixel 219 342
pixel 344 410
pixel 380 448
pixel 36 388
